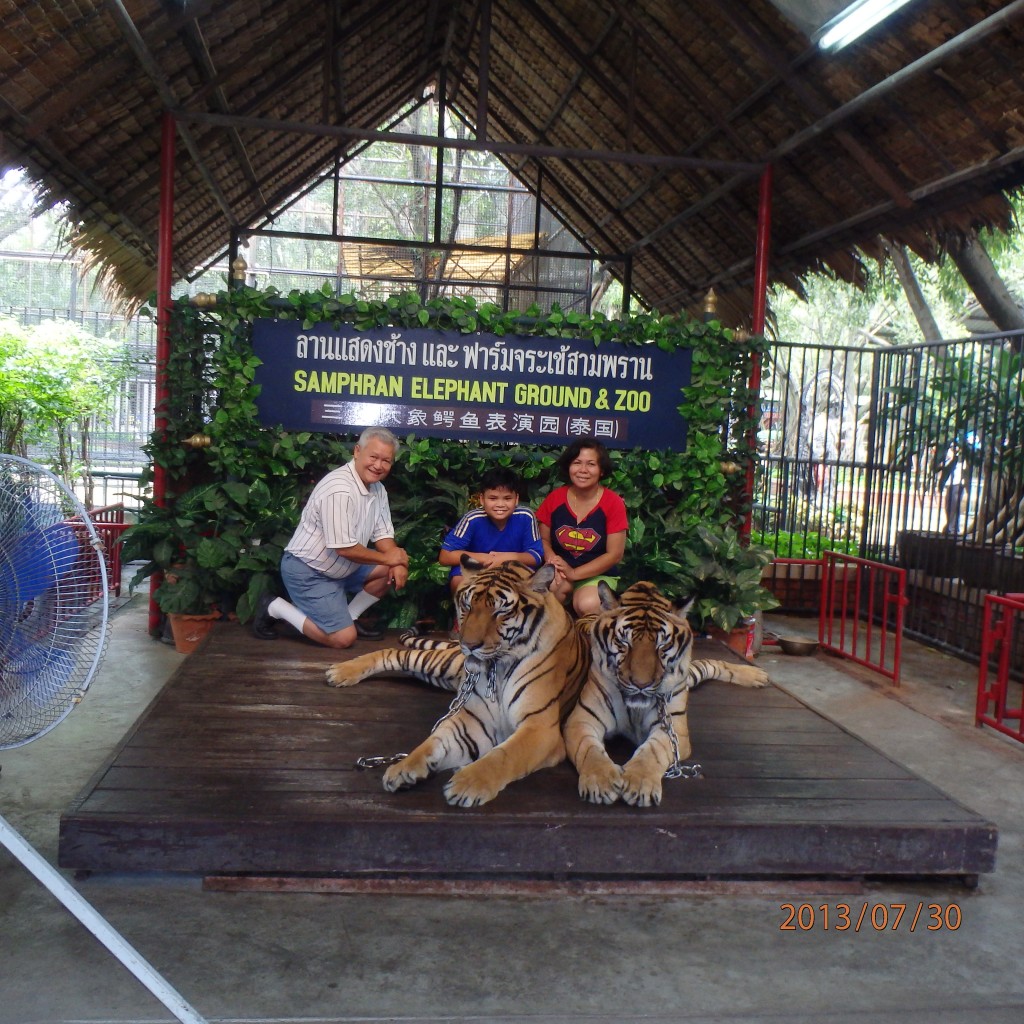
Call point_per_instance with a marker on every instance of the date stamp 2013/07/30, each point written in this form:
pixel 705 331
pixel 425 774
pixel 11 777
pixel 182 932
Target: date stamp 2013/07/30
pixel 879 917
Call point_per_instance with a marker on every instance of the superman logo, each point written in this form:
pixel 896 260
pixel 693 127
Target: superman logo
pixel 576 540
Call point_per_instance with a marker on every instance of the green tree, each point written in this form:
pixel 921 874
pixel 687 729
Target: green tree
pixel 56 381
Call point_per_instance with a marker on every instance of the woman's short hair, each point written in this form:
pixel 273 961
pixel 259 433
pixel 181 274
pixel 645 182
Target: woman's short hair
pixel 572 453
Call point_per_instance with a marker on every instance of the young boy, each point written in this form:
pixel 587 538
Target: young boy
pixel 501 530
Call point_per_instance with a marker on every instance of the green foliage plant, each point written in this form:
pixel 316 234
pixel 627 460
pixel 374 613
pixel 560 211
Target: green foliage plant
pixel 55 376
pixel 810 545
pixel 211 374
pixel 723 576
pixel 216 544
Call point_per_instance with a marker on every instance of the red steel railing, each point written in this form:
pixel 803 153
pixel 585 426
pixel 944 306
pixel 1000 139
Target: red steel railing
pixel 1000 703
pixel 861 616
pixel 109 524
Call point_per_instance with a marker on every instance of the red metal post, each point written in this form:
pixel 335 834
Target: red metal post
pixel 164 262
pixel 761 259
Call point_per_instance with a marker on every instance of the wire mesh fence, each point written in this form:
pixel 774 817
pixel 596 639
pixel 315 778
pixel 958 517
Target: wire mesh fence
pixel 911 455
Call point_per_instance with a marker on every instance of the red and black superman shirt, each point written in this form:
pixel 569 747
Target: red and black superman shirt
pixel 581 542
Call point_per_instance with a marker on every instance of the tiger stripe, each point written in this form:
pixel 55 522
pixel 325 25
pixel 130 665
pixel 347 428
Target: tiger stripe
pixel 515 637
pixel 641 669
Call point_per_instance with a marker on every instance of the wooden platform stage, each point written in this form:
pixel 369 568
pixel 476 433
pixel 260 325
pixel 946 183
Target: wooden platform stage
pixel 244 765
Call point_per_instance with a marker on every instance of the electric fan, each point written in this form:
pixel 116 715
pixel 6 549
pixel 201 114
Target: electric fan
pixel 54 628
pixel 53 601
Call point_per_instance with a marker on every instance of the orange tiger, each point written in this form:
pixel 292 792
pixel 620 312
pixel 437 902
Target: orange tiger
pixel 518 668
pixel 639 684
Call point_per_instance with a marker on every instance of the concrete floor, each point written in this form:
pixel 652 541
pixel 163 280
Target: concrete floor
pixel 696 958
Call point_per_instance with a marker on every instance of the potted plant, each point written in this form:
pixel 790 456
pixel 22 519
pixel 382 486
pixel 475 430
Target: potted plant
pixel 723 576
pixel 218 547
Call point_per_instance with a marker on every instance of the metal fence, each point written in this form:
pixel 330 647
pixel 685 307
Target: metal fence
pixel 911 455
pixel 118 432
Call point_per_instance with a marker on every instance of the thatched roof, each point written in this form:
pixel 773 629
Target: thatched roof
pixel 912 131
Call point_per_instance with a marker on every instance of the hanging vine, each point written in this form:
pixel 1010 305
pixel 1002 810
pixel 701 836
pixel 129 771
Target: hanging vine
pixel 255 478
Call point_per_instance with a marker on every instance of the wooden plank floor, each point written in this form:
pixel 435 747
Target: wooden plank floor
pixel 244 763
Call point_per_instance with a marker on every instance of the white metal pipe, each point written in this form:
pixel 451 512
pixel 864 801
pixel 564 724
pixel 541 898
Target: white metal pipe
pixel 87 915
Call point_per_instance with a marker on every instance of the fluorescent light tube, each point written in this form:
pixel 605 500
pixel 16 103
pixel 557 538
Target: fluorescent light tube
pixel 855 21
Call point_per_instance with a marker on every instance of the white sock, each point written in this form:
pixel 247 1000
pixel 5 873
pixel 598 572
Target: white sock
pixel 360 603
pixel 279 608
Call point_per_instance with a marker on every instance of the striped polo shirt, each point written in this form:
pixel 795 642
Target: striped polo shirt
pixel 341 511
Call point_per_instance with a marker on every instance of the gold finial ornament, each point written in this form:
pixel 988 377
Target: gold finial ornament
pixel 198 441
pixel 238 269
pixel 710 304
pixel 728 468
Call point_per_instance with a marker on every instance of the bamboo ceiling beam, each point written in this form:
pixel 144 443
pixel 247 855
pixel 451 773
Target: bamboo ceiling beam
pixel 48 111
pixel 427 45
pixel 483 71
pixel 809 97
pixel 246 59
pixel 973 35
pixel 723 123
pixel 153 71
pixel 195 43
pixel 495 146
pixel 541 134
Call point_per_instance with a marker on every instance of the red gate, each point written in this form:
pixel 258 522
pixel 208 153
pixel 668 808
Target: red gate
pixel 861 615
pixel 1001 703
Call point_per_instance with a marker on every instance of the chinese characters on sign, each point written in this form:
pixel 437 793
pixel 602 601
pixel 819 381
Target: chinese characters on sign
pixel 445 384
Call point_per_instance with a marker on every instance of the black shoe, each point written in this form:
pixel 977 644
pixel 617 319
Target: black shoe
pixel 367 632
pixel 262 621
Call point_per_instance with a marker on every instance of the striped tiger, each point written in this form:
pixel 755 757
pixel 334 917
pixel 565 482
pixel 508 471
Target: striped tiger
pixel 639 684
pixel 517 669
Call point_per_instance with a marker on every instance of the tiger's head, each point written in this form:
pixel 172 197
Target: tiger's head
pixel 501 608
pixel 642 642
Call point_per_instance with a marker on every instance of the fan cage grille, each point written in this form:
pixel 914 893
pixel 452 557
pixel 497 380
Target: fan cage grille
pixel 54 623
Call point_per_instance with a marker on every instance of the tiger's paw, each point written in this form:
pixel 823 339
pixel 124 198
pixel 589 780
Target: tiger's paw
pixel 640 789
pixel 470 786
pixel 602 787
pixel 405 773
pixel 747 675
pixel 342 674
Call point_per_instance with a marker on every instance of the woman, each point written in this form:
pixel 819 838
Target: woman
pixel 583 526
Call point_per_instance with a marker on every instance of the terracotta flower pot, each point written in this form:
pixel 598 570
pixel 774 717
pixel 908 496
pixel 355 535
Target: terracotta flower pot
pixel 189 630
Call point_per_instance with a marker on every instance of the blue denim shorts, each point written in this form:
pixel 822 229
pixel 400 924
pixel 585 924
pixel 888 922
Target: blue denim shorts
pixel 323 599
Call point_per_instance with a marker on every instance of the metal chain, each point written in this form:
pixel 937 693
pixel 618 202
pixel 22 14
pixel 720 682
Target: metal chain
pixel 379 761
pixel 676 770
pixel 465 690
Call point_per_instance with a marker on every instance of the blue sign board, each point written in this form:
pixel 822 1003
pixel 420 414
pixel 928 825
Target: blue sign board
pixel 512 388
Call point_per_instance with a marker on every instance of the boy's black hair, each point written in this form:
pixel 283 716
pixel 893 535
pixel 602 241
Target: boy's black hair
pixel 502 476
pixel 569 456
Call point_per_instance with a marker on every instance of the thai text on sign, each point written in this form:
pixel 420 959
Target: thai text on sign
pixel 492 388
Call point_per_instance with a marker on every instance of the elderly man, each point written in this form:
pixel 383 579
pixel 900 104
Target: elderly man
pixel 329 568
